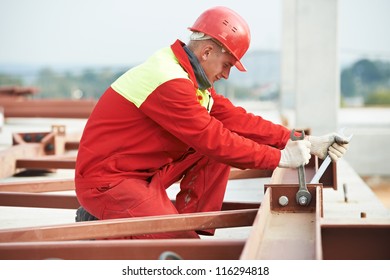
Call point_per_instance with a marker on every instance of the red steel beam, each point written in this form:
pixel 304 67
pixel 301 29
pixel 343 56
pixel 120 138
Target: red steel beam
pixel 69 162
pixel 290 176
pixel 16 91
pixel 356 240
pixel 69 201
pixel 122 249
pixel 249 173
pixel 71 145
pixel 9 156
pixel 38 186
pixel 117 228
pixel 38 200
pixel 284 232
pixel 47 162
pixel 46 108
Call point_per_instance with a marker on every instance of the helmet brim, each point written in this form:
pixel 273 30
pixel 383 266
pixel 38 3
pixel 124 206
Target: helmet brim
pixel 240 66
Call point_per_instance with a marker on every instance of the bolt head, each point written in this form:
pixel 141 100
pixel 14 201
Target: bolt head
pixel 283 200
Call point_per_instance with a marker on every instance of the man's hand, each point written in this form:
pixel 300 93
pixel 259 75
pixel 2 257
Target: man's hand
pixel 333 144
pixel 295 154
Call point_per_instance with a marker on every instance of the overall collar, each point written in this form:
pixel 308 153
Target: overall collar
pixel 190 63
pixel 201 78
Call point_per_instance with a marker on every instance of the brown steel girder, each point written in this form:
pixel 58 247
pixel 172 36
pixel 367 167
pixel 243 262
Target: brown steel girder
pixel 277 232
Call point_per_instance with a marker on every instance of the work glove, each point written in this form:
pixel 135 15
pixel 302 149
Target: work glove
pixel 333 144
pixel 295 154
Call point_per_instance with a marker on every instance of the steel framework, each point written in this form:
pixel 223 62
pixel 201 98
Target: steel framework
pixel 280 227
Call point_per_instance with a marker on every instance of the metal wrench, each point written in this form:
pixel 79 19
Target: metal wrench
pixel 303 196
pixel 321 170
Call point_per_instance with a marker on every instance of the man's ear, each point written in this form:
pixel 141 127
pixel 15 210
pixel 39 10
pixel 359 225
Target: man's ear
pixel 206 52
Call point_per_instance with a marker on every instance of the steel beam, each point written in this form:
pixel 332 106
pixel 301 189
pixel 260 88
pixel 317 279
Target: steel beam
pixel 16 91
pixel 71 145
pixel 38 186
pixel 47 162
pixel 46 108
pixel 69 162
pixel 290 176
pixel 40 200
pixel 122 249
pixel 9 157
pixel 284 232
pixel 279 230
pixel 249 173
pixel 362 239
pixel 69 201
pixel 118 228
pixel 32 145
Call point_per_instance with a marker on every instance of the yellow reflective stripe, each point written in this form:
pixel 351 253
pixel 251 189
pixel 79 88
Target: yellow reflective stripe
pixel 136 84
pixel 205 99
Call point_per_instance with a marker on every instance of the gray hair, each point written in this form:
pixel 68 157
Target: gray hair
pixel 199 36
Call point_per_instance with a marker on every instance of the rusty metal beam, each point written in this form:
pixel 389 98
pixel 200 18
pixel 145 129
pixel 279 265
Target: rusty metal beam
pixel 71 145
pixel 53 142
pixel 355 239
pixel 284 232
pixel 54 145
pixel 47 162
pixel 16 91
pixel 62 162
pixel 46 108
pixel 231 205
pixel 290 176
pixel 31 145
pixel 38 200
pixel 117 228
pixel 122 249
pixel 9 156
pixel 69 201
pixel 38 186
pixel 278 232
pixel 249 173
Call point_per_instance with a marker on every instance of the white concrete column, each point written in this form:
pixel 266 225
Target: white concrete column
pixel 288 57
pixel 310 69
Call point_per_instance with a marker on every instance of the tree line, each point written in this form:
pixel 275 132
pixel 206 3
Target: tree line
pixel 368 81
pixel 364 80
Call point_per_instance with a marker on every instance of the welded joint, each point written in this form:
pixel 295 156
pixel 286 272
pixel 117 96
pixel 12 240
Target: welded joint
pixel 53 143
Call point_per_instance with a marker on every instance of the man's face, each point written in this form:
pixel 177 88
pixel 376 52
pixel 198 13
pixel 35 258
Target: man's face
pixel 217 63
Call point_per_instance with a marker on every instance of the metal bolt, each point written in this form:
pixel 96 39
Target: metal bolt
pixel 27 137
pixel 39 137
pixel 283 200
pixel 302 200
pixel 345 193
pixel 49 147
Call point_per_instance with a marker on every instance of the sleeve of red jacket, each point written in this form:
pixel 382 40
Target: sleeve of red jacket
pixel 173 105
pixel 249 125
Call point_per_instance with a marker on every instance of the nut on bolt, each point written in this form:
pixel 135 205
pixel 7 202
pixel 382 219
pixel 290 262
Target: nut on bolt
pixel 302 200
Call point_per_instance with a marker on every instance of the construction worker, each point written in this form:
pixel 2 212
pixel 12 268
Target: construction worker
pixel 162 122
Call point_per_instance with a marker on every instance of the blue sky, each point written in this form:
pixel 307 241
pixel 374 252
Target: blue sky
pixel 122 32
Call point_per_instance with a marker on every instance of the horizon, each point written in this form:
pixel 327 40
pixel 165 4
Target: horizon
pixel 343 62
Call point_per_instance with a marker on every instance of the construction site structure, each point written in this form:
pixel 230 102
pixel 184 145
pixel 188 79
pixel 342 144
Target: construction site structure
pixel 344 219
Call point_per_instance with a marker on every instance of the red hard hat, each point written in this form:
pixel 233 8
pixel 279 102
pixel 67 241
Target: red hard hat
pixel 228 28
